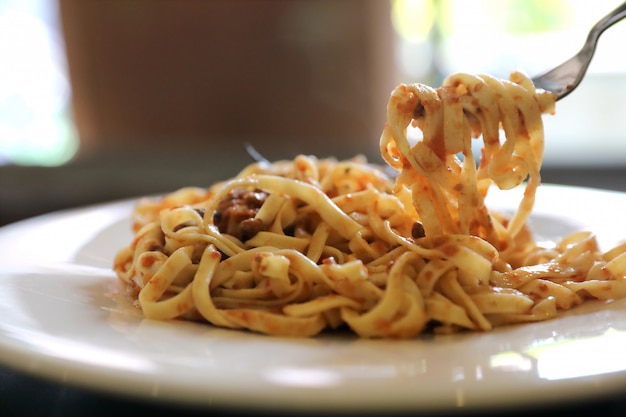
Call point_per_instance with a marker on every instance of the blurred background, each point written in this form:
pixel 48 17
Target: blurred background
pixel 102 100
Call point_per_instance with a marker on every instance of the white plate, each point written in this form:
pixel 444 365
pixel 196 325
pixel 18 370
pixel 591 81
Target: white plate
pixel 61 318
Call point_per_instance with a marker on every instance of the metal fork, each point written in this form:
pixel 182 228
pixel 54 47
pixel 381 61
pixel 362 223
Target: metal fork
pixel 563 79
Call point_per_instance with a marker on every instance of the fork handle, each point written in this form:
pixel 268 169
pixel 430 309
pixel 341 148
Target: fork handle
pixel 607 21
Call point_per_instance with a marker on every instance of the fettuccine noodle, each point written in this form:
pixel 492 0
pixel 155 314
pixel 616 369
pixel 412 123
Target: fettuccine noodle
pixel 296 247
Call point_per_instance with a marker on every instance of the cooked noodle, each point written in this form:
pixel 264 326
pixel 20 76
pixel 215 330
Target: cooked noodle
pixel 295 247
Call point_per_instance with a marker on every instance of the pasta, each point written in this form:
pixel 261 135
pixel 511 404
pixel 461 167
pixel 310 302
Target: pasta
pixel 295 247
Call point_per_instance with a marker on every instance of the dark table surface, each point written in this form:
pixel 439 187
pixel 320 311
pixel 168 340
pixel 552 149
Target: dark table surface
pixel 28 191
pixel 23 395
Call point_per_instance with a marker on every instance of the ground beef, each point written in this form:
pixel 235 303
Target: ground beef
pixel 235 214
pixel 418 230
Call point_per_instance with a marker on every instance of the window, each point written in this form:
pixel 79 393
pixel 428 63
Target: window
pixel 35 123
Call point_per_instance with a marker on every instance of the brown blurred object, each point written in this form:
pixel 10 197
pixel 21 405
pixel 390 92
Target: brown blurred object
pixel 287 76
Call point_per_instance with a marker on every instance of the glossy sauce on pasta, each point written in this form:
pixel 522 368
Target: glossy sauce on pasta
pixel 293 248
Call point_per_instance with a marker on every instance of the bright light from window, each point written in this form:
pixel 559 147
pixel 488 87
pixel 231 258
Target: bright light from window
pixel 413 22
pixel 412 19
pixel 35 123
